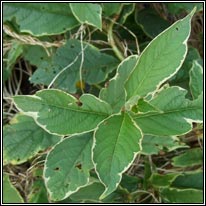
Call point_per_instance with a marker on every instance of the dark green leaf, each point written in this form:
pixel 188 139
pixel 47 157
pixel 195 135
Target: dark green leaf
pixel 190 158
pixel 151 23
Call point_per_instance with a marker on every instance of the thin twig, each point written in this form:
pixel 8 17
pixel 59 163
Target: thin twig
pixel 82 60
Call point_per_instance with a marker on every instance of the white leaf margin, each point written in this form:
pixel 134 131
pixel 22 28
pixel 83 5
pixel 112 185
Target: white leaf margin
pixel 129 164
pixel 35 115
pixel 181 62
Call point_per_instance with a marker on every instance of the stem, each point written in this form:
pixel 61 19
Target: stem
pixel 112 42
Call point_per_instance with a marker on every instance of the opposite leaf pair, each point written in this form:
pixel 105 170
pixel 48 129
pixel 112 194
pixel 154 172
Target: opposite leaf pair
pixel 132 106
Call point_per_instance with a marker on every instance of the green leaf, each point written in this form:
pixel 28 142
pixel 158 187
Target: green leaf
pixel 23 139
pixel 144 106
pixel 176 8
pixel 37 56
pixel 38 192
pixel 13 54
pixel 181 78
pixel 41 19
pixel 177 113
pixel 90 192
pixel 196 79
pixel 88 13
pixel 127 9
pixel 156 63
pixel 130 183
pixel 111 8
pixel 151 23
pixel 172 195
pixel 154 144
pixel 10 194
pixel 165 180
pixel 114 94
pixel 92 73
pixel 117 140
pixel 59 113
pixel 189 158
pixel 189 180
pixel 67 166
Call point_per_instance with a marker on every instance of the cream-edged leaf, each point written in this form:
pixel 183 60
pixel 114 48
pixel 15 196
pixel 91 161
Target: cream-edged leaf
pixel 160 60
pixel 117 141
pixel 60 113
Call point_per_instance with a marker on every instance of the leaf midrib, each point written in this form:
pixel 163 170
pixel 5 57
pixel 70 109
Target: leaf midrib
pixel 75 110
pixel 167 112
pixel 149 70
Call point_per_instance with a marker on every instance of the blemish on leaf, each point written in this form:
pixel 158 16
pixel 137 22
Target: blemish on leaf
pixel 79 103
pixel 80 84
pixel 72 46
pixel 177 28
pixel 57 169
pixel 79 166
pixel 105 123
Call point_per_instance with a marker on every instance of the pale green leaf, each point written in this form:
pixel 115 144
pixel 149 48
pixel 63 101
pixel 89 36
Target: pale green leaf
pixel 154 144
pixel 117 140
pixel 41 19
pixel 88 13
pixel 196 79
pixel 60 113
pixel 189 158
pixel 23 139
pixel 114 94
pixel 10 193
pixel 92 73
pixel 156 63
pixel 67 166
pixel 172 195
pixel 177 114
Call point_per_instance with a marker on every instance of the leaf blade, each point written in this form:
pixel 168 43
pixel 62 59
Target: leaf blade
pixel 175 108
pixel 156 64
pixel 88 13
pixel 196 79
pixel 52 108
pixel 10 193
pixel 23 139
pixel 110 142
pixel 115 94
pixel 62 174
pixel 42 18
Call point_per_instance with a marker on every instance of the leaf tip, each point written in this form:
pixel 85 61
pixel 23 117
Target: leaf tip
pixel 193 12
